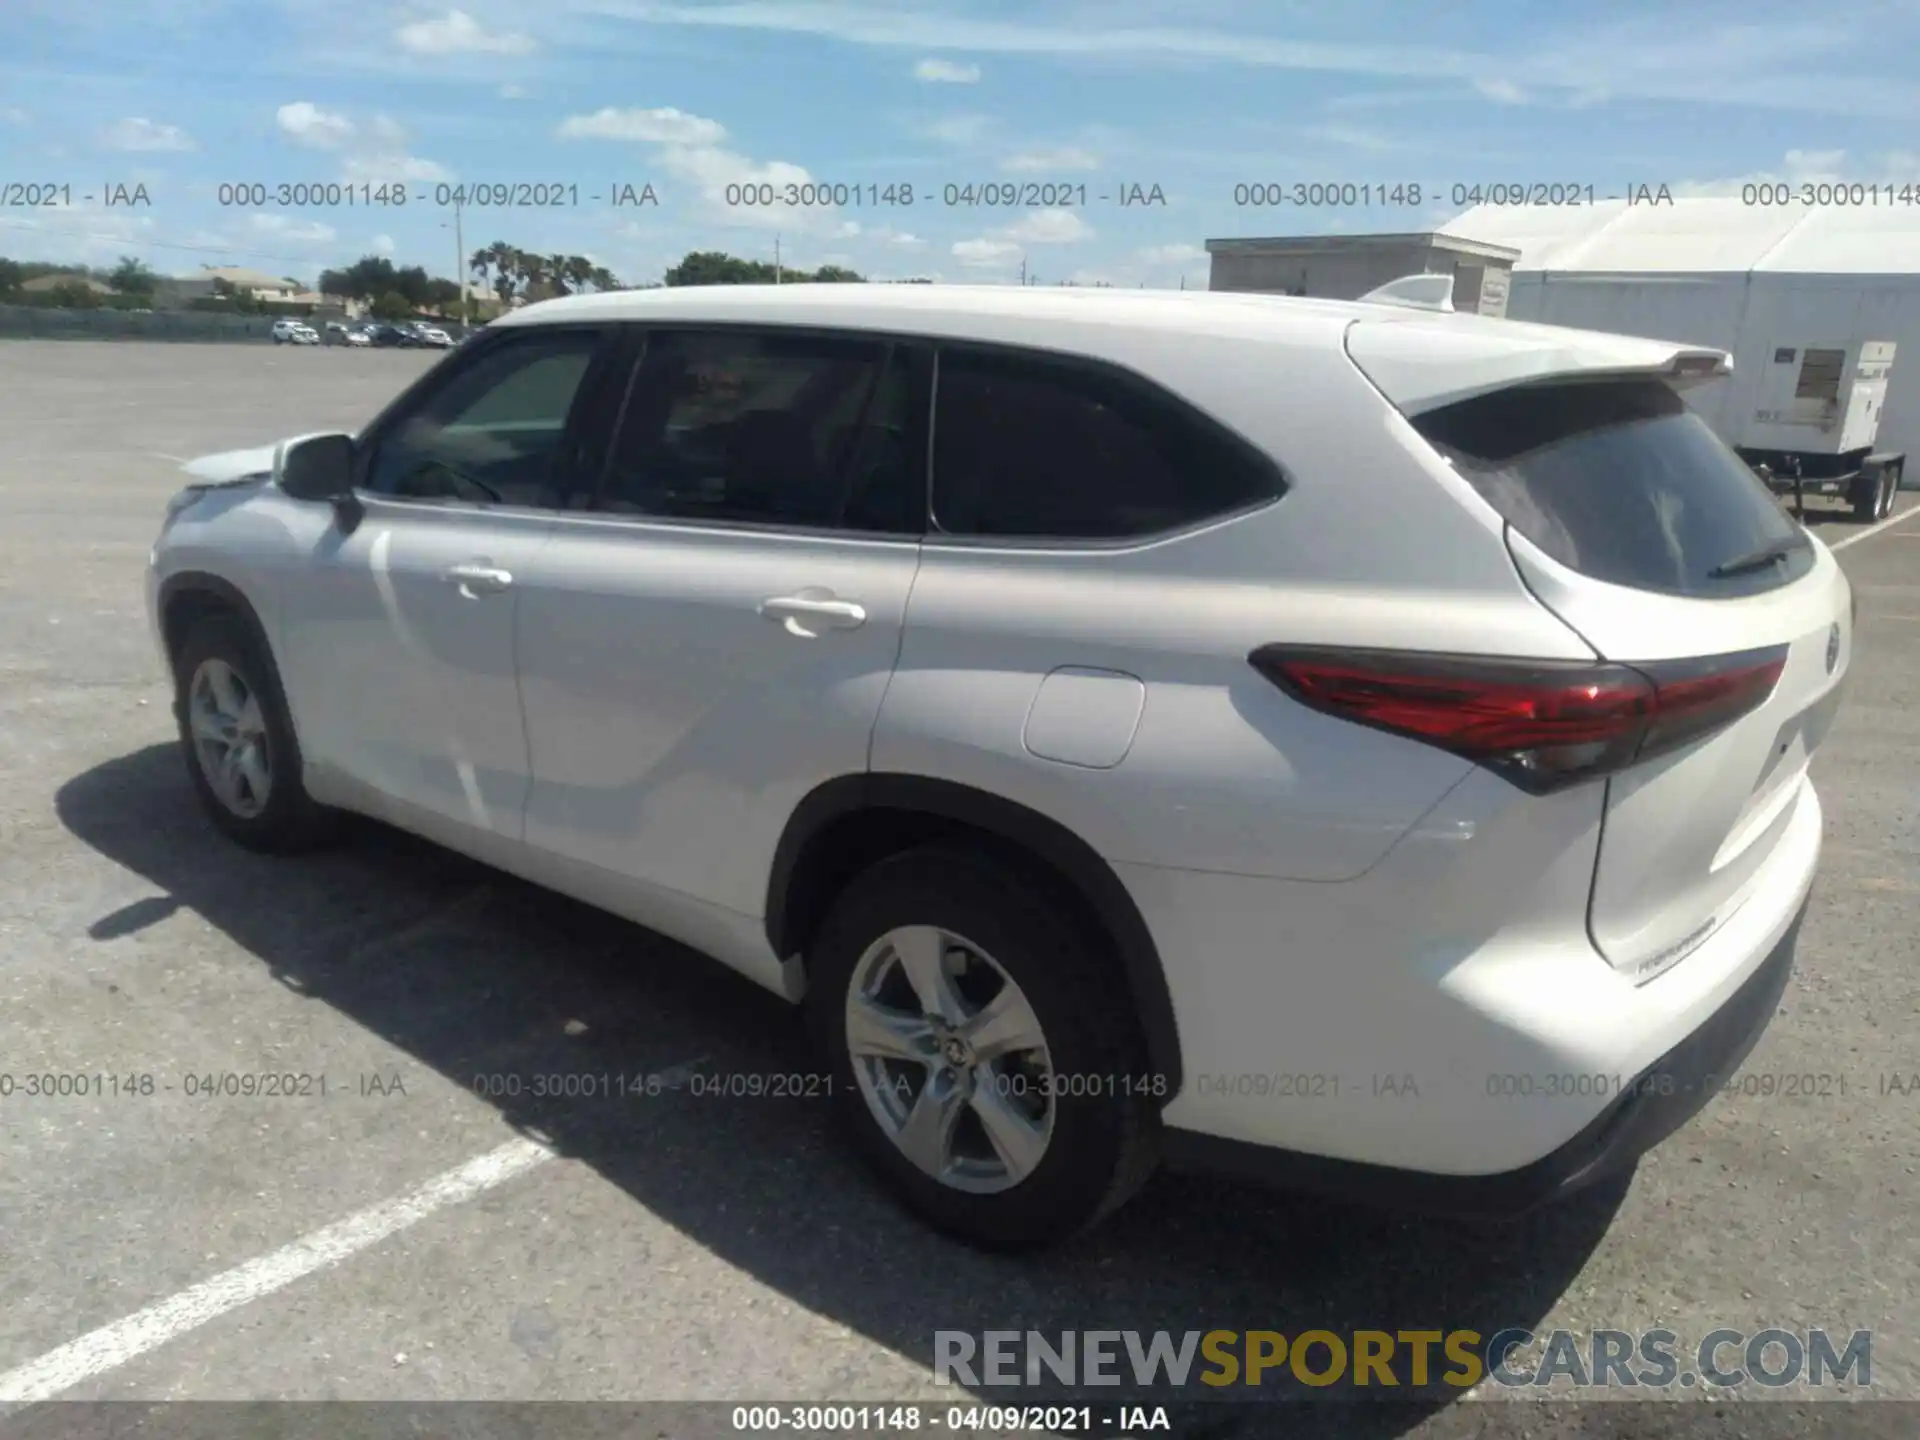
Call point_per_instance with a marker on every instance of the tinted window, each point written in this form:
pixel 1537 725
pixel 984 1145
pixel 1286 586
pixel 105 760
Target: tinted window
pixel 1621 482
pixel 734 426
pixel 1028 446
pixel 492 433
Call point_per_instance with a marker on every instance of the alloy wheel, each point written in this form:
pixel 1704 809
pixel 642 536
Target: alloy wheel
pixel 229 731
pixel 950 1058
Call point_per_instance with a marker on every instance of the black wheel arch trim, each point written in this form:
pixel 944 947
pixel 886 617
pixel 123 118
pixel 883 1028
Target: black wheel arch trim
pixel 229 594
pixel 1043 837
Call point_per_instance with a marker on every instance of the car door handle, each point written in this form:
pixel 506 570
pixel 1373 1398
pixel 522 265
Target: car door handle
pixel 477 580
pixel 806 615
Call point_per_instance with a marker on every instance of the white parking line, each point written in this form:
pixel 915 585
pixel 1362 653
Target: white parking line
pixel 1859 535
pixel 124 1340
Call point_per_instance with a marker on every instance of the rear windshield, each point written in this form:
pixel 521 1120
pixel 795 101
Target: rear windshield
pixel 1620 481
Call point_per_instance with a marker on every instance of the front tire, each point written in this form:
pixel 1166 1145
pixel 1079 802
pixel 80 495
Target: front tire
pixel 240 749
pixel 985 1059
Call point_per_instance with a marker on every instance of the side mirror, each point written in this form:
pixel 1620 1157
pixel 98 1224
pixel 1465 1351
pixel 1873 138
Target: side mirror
pixel 320 467
pixel 317 467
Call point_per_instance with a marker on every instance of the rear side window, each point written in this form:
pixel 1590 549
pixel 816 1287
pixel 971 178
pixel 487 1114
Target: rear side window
pixel 1620 481
pixel 1032 447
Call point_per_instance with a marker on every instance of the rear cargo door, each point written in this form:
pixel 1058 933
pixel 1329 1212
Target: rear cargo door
pixel 1638 527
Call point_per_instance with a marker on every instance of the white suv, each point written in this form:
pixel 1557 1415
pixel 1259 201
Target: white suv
pixel 294 332
pixel 1337 743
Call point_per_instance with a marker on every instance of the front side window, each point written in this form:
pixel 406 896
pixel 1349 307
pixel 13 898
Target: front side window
pixel 492 434
pixel 764 428
pixel 1031 447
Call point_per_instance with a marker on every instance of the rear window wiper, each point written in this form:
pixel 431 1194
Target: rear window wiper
pixel 1759 559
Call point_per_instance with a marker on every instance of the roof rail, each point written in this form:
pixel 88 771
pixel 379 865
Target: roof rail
pixel 1415 292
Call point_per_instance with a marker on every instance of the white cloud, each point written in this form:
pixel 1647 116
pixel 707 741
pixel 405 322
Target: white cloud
pixel 81 234
pixel 1067 157
pixel 1501 92
pixel 1176 254
pixel 946 72
pixel 1819 64
pixel 1805 167
pixel 665 126
pixel 959 130
pixel 985 254
pixel 13 115
pixel 299 232
pixel 1049 227
pixel 142 134
pixel 458 33
pixel 373 152
pixel 308 124
pixel 1002 248
pixel 1352 137
pixel 900 239
pixel 378 167
pixel 514 92
pixel 383 245
pixel 692 148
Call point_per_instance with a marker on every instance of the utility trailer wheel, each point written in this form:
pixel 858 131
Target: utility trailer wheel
pixel 1866 493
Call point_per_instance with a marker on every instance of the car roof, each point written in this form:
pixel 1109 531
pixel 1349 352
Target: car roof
pixel 1419 358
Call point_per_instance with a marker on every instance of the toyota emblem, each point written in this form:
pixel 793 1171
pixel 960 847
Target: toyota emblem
pixel 1833 646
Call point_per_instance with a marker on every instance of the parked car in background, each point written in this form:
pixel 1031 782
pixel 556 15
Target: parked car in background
pixel 294 332
pixel 390 336
pixel 431 335
pixel 1131 727
pixel 338 333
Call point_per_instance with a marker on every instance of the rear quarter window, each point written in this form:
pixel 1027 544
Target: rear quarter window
pixel 1620 481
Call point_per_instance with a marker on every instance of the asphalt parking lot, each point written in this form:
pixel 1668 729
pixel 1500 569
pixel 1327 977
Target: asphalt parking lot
pixel 674 1247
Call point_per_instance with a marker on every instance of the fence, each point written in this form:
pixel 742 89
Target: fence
pixel 49 323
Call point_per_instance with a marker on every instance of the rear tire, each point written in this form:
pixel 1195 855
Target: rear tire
pixel 1034 1144
pixel 238 741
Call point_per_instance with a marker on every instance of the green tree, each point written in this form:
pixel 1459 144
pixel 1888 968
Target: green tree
pixel 836 275
pixel 391 306
pixel 716 267
pixel 75 295
pixel 130 277
pixel 11 276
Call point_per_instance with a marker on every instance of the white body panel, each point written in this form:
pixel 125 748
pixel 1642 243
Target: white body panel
pixel 401 660
pixel 622 717
pixel 673 726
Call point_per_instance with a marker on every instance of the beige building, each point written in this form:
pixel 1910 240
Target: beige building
pixel 1345 267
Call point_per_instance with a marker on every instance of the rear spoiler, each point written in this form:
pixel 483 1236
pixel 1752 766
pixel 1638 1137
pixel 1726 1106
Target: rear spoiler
pixel 1415 292
pixel 1422 361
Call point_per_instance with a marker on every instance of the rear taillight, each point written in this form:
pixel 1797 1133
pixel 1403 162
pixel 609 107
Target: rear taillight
pixel 1542 724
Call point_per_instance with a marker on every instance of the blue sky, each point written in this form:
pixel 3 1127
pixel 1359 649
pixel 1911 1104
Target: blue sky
pixel 1194 97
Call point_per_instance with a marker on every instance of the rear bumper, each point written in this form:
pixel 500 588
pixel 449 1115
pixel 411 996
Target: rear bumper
pixel 1657 1102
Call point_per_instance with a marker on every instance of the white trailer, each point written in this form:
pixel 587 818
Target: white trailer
pixel 1805 416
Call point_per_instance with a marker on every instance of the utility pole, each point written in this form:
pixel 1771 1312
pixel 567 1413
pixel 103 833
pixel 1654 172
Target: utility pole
pixel 460 269
pixel 776 259
pixel 1023 270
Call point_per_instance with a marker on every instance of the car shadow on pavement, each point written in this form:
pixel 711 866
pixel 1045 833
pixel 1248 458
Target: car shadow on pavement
pixel 475 974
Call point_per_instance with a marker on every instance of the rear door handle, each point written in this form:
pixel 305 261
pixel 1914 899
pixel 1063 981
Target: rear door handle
pixel 476 580
pixel 809 612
